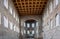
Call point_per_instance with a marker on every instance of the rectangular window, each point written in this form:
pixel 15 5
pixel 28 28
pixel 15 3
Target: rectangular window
pixel 37 24
pixel 17 29
pixel 33 32
pixel 57 20
pixel 11 25
pixel 5 22
pixel 0 18
pixel 24 31
pixel 14 28
pixel 6 3
pixel 51 24
pixel 28 25
pixel 14 15
pixel 50 7
pixel 33 25
pixel 28 32
pixel 47 12
pixel 18 20
pixel 10 9
pixel 56 2
pixel 24 24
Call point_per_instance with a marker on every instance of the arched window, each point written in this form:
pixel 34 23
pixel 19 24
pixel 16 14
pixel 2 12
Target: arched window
pixel 29 28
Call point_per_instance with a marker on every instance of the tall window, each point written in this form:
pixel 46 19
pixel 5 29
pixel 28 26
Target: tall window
pixel 57 19
pixel 47 12
pixel 28 32
pixel 6 3
pixel 56 2
pixel 24 24
pixel 11 25
pixel 10 9
pixel 14 28
pixel 33 25
pixel 28 25
pixel 16 18
pixel 36 23
pixel 0 18
pixel 51 23
pixel 14 14
pixel 33 32
pixel 5 22
pixel 50 7
pixel 17 29
pixel 24 31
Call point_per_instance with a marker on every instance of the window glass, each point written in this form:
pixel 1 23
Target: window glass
pixel 6 3
pixel 33 32
pixel 14 28
pixel 50 7
pixel 10 9
pixel 28 32
pixel 37 31
pixel 33 25
pixel 28 25
pixel 0 18
pixel 47 12
pixel 17 29
pixel 36 23
pixel 56 2
pixel 24 24
pixel 57 20
pixel 5 22
pixel 24 31
pixel 51 23
pixel 16 18
pixel 11 25
pixel 14 14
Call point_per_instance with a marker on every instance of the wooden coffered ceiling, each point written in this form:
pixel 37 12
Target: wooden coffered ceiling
pixel 30 7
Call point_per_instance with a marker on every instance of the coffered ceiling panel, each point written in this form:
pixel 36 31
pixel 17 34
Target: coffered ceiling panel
pixel 30 7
